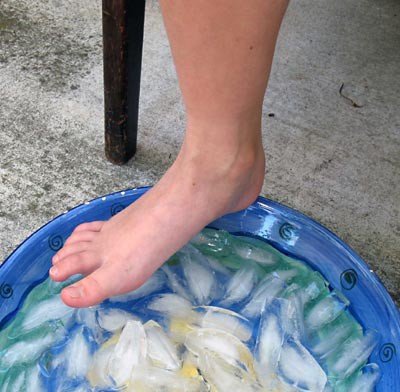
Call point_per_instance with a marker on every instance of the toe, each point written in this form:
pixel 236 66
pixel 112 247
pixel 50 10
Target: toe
pixel 89 226
pixel 93 289
pixel 81 236
pixel 83 263
pixel 68 250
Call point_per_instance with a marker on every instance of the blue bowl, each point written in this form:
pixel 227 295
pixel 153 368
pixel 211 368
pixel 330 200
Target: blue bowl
pixel 286 229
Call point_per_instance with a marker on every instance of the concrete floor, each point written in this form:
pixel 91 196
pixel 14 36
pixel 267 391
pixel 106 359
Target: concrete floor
pixel 335 162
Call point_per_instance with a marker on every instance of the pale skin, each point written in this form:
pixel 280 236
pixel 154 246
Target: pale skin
pixel 223 52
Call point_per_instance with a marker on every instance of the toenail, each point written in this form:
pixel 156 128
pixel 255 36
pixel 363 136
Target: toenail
pixel 56 258
pixel 54 271
pixel 74 292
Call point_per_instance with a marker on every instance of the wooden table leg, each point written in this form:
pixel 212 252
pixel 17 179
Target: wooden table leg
pixel 123 22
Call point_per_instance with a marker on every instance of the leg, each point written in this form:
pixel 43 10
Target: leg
pixel 223 52
pixel 122 48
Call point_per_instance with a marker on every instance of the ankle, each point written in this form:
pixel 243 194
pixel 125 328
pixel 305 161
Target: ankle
pixel 223 145
pixel 245 178
pixel 233 174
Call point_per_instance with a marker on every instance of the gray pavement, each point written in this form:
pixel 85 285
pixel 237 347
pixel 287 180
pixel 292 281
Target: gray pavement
pixel 335 162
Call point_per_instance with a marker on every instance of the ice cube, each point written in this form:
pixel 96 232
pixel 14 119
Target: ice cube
pixel 200 277
pixel 189 367
pixel 326 310
pixel 214 342
pixel 286 275
pixel 45 311
pixel 148 378
pixel 298 368
pixel 113 320
pixel 72 387
pixel 213 242
pixel 98 375
pixel 256 252
pixel 13 382
pixel 27 351
pixel 331 338
pixel 225 320
pixel 367 379
pixel 171 304
pixel 240 286
pixel 291 312
pixel 178 311
pixel 88 317
pixel 273 383
pixel 223 377
pixel 161 351
pixel 33 382
pixel 269 344
pixel 264 293
pixel 314 287
pixel 6 383
pixel 130 351
pixel 155 283
pixel 176 283
pixel 178 328
pixel 77 356
pixel 353 354
pixel 216 265
pixel 39 312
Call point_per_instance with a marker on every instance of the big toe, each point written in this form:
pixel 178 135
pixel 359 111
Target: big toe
pixel 93 289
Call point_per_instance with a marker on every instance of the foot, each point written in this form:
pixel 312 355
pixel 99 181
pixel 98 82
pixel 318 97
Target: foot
pixel 119 255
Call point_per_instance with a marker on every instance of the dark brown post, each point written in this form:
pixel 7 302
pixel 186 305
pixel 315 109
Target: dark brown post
pixel 123 22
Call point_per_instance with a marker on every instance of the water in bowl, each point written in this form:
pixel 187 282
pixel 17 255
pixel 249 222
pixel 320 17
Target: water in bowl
pixel 224 312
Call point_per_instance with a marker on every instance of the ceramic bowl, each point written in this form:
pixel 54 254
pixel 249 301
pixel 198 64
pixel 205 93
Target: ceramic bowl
pixel 286 229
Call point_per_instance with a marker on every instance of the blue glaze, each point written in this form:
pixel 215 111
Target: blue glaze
pixel 286 229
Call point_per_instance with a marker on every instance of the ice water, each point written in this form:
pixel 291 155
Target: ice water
pixel 224 314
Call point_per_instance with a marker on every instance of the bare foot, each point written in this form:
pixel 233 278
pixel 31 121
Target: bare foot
pixel 119 255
